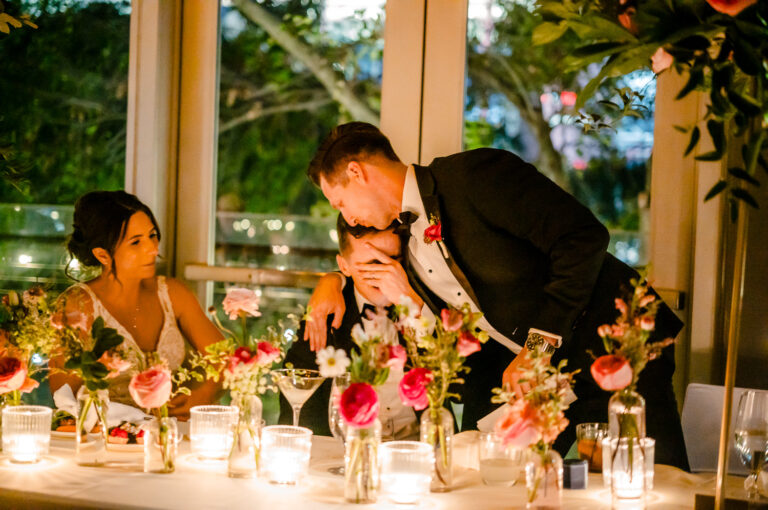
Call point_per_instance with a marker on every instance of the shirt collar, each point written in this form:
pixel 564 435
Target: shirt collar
pixel 411 196
pixel 361 301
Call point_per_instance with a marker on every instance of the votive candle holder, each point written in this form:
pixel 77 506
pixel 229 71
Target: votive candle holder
pixel 26 433
pixel 285 452
pixel 210 431
pixel 406 471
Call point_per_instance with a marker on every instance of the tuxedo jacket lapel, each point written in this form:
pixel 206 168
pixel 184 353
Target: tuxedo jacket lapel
pixel 432 207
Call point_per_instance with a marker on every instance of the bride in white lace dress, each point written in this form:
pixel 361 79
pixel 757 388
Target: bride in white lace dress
pixel 114 230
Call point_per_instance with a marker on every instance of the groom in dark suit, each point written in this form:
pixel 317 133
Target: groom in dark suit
pixel 487 228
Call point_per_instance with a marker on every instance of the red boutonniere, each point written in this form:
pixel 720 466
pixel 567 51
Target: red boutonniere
pixel 434 232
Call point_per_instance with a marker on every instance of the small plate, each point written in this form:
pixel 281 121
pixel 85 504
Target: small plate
pixel 57 434
pixel 135 447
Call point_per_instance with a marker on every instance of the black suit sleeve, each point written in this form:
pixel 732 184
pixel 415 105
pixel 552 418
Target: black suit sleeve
pixel 512 195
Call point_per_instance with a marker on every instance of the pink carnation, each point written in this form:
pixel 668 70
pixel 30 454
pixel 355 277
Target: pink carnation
pixel 359 405
pixel 151 388
pixel 452 319
pixel 413 388
pixel 467 344
pixel 611 372
pixel 239 300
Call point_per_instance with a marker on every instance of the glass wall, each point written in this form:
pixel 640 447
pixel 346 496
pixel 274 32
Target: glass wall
pixel 63 85
pixel 289 72
pixel 519 99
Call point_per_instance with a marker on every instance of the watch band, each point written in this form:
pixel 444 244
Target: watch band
pixel 537 342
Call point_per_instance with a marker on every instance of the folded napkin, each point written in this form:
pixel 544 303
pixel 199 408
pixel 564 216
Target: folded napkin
pixel 65 400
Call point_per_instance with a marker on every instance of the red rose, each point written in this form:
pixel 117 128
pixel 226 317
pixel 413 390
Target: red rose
pixel 151 388
pixel 467 344
pixel 397 357
pixel 611 372
pixel 266 353
pixel 413 388
pixel 433 233
pixel 730 7
pixel 13 374
pixel 452 319
pixel 519 426
pixel 359 405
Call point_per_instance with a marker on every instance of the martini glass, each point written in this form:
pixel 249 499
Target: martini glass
pixel 297 385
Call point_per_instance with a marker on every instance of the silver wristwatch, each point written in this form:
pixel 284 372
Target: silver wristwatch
pixel 539 343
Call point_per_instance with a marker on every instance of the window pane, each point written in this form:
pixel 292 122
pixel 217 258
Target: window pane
pixel 519 99
pixel 62 126
pixel 282 90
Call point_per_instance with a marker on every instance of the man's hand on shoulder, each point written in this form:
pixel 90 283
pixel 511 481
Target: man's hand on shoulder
pixel 326 299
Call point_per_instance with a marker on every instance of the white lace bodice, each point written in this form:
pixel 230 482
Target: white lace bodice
pixel 170 344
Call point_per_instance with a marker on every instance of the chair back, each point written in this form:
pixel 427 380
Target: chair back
pixel 702 413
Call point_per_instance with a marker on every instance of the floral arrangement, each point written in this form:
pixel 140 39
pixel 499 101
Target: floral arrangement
pixel 437 351
pixel 26 335
pixel 720 45
pixel 626 343
pixel 536 419
pixel 241 361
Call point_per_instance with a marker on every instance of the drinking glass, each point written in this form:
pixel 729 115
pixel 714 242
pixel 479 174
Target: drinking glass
pixel 589 439
pixel 335 420
pixel 752 435
pixel 499 464
pixel 297 385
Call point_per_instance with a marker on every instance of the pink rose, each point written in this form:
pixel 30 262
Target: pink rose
pixel 604 330
pixel 518 427
pixel 114 363
pixel 467 344
pixel 647 323
pixel 359 405
pixel 74 319
pixel 611 372
pixel 433 233
pixel 661 60
pixel 730 7
pixel 239 300
pixel 397 357
pixel 151 388
pixel 452 319
pixel 266 353
pixel 13 374
pixel 413 388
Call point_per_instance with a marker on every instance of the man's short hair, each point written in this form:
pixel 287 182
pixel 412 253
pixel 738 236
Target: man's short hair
pixel 346 231
pixel 353 140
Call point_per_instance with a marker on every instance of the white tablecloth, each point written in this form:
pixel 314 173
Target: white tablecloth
pixel 58 482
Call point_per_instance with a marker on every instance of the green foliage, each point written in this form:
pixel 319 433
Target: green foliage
pixel 84 363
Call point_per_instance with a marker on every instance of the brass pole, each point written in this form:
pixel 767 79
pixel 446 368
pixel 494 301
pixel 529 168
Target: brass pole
pixel 734 322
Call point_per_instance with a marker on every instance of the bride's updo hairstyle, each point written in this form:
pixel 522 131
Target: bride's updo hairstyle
pixel 100 221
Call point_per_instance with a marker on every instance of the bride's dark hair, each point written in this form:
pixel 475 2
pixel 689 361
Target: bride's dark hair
pixel 100 220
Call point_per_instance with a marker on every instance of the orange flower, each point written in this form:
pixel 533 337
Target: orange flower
pixel 730 7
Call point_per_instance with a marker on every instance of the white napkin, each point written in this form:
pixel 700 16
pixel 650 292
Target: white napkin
pixel 486 423
pixel 116 412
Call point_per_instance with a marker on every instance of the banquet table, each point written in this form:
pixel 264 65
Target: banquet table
pixel 57 482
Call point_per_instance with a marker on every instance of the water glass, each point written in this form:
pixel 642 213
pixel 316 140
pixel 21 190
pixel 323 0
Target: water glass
pixel 285 451
pixel 26 433
pixel 751 430
pixel 499 464
pixel 589 438
pixel 406 470
pixel 211 431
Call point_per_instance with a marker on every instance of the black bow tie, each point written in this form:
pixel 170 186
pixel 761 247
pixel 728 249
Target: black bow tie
pixel 367 307
pixel 406 219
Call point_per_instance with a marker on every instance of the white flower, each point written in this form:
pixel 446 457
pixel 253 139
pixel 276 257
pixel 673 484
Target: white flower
pixel 375 326
pixel 332 362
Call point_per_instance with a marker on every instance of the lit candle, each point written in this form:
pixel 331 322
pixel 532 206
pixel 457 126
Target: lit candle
pixel 406 470
pixel 26 432
pixel 210 431
pixel 285 453
pixel 405 488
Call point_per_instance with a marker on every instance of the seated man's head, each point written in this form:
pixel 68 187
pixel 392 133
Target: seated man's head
pixel 354 250
pixel 360 174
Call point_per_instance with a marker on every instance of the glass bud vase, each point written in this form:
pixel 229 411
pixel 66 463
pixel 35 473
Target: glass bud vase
pixel 160 445
pixel 436 429
pixel 361 463
pixel 544 479
pixel 91 428
pixel 626 415
pixel 243 459
pixel 625 469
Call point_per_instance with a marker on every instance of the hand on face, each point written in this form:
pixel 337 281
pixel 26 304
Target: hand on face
pixel 385 275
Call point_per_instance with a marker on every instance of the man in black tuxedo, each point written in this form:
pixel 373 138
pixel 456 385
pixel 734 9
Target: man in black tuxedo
pixel 358 247
pixel 512 244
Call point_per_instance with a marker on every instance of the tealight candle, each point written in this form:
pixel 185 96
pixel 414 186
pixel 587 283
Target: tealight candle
pixel 406 470
pixel 210 431
pixel 285 452
pixel 26 432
